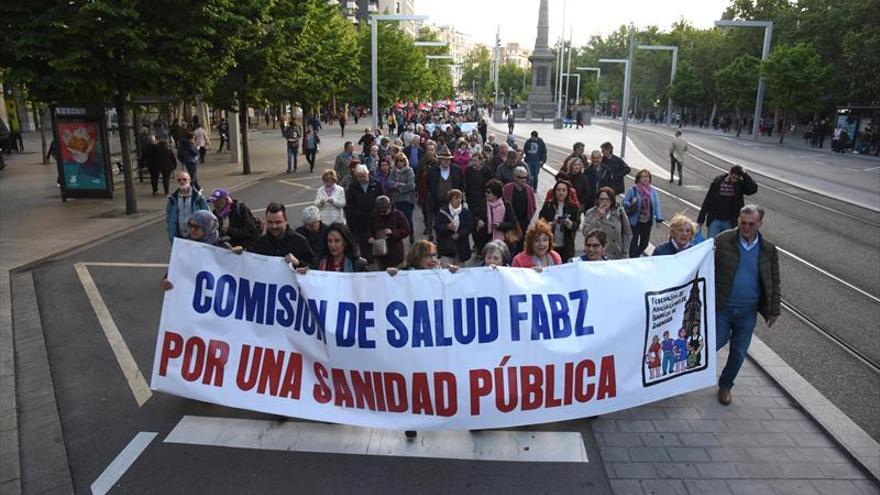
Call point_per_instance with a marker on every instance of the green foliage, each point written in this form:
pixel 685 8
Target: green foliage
pixel 687 90
pixel 795 76
pixel 737 82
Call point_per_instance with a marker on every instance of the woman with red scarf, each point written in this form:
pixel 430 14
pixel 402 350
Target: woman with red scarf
pixel 643 209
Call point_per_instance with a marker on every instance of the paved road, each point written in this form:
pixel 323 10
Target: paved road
pixel 99 415
pixel 828 235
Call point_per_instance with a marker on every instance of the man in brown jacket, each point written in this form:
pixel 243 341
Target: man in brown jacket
pixel 746 283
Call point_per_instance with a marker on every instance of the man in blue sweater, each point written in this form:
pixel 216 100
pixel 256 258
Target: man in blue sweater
pixel 746 283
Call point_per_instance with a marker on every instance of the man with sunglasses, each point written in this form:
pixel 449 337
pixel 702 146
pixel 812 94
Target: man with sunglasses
pixel 746 283
pixel 180 207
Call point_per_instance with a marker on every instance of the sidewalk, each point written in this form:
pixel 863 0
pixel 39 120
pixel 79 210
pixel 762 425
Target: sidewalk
pixel 35 224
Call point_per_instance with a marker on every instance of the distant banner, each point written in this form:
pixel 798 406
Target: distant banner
pixel 434 350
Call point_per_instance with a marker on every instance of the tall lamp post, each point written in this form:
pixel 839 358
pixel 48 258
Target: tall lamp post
pixel 674 50
pixel 625 96
pixel 765 52
pixel 374 55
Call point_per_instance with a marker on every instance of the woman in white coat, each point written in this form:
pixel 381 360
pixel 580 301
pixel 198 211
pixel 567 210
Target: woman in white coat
pixel 330 199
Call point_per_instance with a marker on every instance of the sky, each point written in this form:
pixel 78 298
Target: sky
pixel 518 19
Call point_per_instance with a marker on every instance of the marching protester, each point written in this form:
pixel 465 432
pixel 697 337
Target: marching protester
pixel 562 213
pixel 159 160
pixel 598 176
pixel 535 152
pixel 314 230
pixel 494 217
pixel 280 240
pixel 180 207
pixel 521 197
pixel 495 254
pixel 610 218
pixel 577 152
pixel 342 254
pixel 505 171
pixel 677 149
pixel 594 246
pixel 330 199
pixel 388 228
pixel 235 219
pixel 440 181
pixel 188 155
pixel 402 191
pixel 292 132
pixel 453 226
pixel 372 159
pixel 202 227
pixel 474 145
pixel 475 180
pixel 366 141
pixel 643 208
pixel 747 282
pixel 462 156
pixel 382 174
pixel 724 200
pixel 579 181
pixel 615 166
pixel 428 162
pixel 310 146
pixel 360 202
pixel 342 165
pixel 413 151
pixel 538 252
pixel 681 236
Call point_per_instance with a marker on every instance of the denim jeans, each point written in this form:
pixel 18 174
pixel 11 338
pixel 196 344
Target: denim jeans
pixel 534 170
pixel 735 324
pixel 292 153
pixel 718 226
pixel 668 365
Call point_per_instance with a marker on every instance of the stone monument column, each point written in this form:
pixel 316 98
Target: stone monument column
pixel 540 100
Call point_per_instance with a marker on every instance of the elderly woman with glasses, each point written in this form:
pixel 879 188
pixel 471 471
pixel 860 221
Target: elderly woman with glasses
pixel 609 217
pixel 330 199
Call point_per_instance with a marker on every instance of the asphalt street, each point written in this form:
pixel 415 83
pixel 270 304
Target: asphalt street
pixel 827 235
pixel 101 418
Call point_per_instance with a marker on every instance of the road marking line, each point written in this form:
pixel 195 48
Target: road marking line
pixel 123 461
pixel 124 264
pixel 133 375
pixel 296 184
pixel 290 436
pixel 304 203
pixel 870 169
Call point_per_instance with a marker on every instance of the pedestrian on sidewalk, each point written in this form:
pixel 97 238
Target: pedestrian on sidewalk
pixel 747 282
pixel 616 167
pixel 366 141
pixel 159 160
pixel 677 149
pixel 310 146
pixel 292 133
pixel 643 208
pixel 535 153
pixel 235 219
pixel 188 155
pixel 724 200
pixel 223 130
pixel 511 121
pixel 343 119
pixel 181 206
pixel 202 142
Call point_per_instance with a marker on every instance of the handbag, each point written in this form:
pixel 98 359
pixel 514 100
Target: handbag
pixel 380 247
pixel 633 208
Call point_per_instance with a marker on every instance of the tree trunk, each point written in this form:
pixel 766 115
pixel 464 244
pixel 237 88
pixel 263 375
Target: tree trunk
pixel 243 124
pixel 130 199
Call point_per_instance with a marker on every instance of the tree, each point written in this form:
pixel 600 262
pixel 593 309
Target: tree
pixel 795 76
pixel 102 52
pixel 737 84
pixel 687 90
pixel 475 75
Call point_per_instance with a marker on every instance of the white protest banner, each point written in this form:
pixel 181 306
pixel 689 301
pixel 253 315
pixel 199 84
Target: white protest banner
pixel 430 349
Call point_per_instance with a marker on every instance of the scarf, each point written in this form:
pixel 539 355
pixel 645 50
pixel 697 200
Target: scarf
pixel 644 191
pixel 328 190
pixel 208 222
pixel 455 212
pixel 495 209
pixel 225 211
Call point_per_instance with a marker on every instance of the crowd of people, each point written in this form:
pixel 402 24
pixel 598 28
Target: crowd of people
pixel 480 209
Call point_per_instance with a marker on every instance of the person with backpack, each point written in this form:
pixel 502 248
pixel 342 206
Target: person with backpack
pixel 236 221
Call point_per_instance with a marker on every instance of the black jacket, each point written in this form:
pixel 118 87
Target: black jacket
pixel 618 170
pixel 239 225
pixel 289 243
pixel 456 181
pixel 548 213
pixel 484 235
pixel 718 207
pixel 359 205
pixel 317 240
pixel 475 181
pixel 447 246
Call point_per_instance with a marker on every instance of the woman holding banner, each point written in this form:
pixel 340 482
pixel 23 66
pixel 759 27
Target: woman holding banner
pixel 681 236
pixel 495 254
pixel 343 254
pixel 203 227
pixel 538 252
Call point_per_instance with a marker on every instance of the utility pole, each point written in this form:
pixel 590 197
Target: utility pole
pixel 627 78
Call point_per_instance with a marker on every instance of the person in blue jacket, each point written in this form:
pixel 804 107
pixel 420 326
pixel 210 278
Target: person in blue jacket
pixel 681 236
pixel 643 209
pixel 181 206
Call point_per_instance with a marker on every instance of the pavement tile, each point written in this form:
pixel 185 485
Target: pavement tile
pixel 768 454
pixel 699 439
pixel 688 454
pixel 665 439
pixel 750 487
pixel 727 454
pixel 11 487
pixel 633 470
pixel 839 487
pixel 812 440
pixel 788 426
pixel 676 470
pixel 672 425
pixel 707 425
pixel 793 487
pixel 663 487
pixel 615 454
pixel 815 454
pixel 841 470
pixel 718 470
pixel 704 487
pixel 648 454
pixel 619 439
pixel 786 413
pixel 759 402
pixel 744 425
pixel 751 412
pixel 603 426
pixel 648 412
pixel 869 487
pixel 634 425
pixel 683 413
pixel 627 487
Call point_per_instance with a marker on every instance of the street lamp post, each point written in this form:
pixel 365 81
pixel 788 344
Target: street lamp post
pixel 626 78
pixel 765 52
pixel 674 50
pixel 374 55
pixel 578 91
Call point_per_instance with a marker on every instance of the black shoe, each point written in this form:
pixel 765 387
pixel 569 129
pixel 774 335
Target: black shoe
pixel 679 183
pixel 410 434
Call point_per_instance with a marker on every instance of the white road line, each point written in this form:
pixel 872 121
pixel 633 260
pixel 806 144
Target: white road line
pixel 304 203
pixel 296 184
pixel 124 264
pixel 122 462
pixel 130 370
pixel 490 445
pixel 870 169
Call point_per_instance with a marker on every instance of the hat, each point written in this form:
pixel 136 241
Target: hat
pixel 218 193
pixel 443 153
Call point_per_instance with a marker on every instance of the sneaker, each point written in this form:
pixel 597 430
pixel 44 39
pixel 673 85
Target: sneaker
pixel 724 396
pixel 410 434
